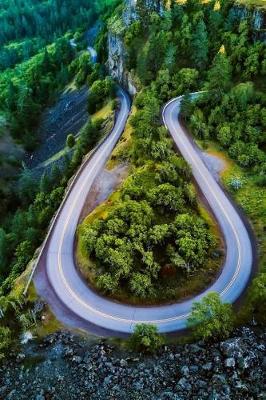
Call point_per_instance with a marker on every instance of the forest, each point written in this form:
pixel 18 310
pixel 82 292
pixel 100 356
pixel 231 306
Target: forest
pixel 29 85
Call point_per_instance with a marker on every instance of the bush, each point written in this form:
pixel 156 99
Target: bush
pixel 5 340
pixel 70 142
pixel 210 318
pixel 146 338
pixel 257 298
pixel 260 180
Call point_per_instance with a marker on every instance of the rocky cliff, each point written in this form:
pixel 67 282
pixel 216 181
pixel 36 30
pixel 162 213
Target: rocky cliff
pixel 256 17
pixel 131 13
pixel 116 63
pixel 116 49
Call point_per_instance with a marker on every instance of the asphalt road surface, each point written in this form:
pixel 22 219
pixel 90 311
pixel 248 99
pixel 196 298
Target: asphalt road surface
pixel 73 292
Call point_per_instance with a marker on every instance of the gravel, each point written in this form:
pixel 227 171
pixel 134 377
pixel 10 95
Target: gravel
pixel 63 366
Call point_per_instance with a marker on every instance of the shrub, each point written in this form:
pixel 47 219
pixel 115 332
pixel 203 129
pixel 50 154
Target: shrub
pixel 70 142
pixel 146 338
pixel 210 318
pixel 5 340
pixel 257 297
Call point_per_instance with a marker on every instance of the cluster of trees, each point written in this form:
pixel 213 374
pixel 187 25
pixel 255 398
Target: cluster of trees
pixel 186 36
pixel 100 90
pixel 207 46
pixel 155 225
pixel 17 52
pixel 236 118
pixel 26 89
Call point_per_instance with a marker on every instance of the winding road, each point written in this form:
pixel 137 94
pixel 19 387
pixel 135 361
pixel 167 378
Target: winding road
pixel 118 318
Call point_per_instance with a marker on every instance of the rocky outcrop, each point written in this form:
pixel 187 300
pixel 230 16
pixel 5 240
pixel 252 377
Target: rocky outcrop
pixel 130 13
pixel 116 63
pixel 116 49
pixel 116 56
pixel 69 368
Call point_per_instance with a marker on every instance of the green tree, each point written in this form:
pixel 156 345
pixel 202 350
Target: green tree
pixel 107 283
pixel 3 250
pixel 200 45
pixel 257 297
pixel 211 319
pixel 5 340
pixel 71 141
pixel 146 338
pixel 219 76
pixel 140 285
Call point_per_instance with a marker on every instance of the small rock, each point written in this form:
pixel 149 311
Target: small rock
pixel 184 384
pixel 185 371
pixel 123 363
pixel 232 347
pixel 230 362
pixel 20 357
pixel 207 366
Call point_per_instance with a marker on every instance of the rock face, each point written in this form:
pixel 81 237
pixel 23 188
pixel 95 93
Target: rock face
pixel 130 13
pixel 116 57
pixel 116 48
pixel 256 17
pixel 66 367
pixel 116 63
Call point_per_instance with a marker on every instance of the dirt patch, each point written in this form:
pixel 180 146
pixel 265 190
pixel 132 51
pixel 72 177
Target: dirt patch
pixel 103 186
pixel 215 164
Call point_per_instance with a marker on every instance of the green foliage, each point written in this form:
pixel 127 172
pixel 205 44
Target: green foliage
pixel 100 91
pixel 236 119
pixel 71 141
pixel 211 319
pixel 25 230
pixel 5 340
pixel 257 297
pixel 146 338
pixel 82 67
pixel 23 99
pixel 200 45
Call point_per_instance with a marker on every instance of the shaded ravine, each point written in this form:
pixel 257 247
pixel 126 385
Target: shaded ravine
pixel 116 318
